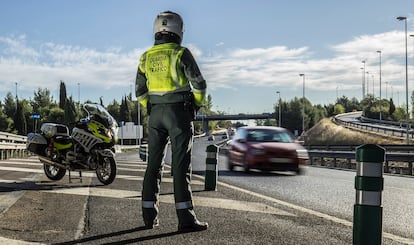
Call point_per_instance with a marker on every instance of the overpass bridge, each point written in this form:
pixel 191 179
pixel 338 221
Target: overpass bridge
pixel 241 116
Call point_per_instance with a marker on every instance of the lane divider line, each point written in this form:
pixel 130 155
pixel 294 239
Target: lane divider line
pixel 311 212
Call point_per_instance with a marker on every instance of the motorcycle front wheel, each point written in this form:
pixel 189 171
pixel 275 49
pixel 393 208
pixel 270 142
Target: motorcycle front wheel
pixel 54 173
pixel 106 170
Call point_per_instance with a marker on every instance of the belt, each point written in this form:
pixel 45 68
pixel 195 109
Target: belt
pixel 169 104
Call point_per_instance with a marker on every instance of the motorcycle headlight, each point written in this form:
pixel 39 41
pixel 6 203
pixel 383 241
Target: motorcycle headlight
pixel 109 133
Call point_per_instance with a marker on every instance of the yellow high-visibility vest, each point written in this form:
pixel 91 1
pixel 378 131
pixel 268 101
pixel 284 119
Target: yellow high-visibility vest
pixel 160 65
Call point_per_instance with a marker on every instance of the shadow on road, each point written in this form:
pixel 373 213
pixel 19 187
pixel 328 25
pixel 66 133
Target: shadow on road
pixel 121 233
pixel 39 185
pixel 251 173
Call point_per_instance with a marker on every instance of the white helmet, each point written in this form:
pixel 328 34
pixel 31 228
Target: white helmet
pixel 169 22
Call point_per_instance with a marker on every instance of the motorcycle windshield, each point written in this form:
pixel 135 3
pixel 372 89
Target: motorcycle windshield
pixel 97 109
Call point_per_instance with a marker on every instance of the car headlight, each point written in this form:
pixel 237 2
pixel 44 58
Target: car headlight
pixel 302 153
pixel 257 152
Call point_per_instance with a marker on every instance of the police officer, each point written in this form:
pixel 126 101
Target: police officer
pixel 169 83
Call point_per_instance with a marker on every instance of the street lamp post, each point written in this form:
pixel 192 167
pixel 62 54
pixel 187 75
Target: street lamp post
pixel 16 98
pixel 303 104
pixel 401 18
pixel 79 95
pixel 280 112
pixel 380 102
pixel 363 80
pixel 386 90
pixel 373 86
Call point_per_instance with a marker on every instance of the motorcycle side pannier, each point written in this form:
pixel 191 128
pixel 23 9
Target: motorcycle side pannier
pixel 36 143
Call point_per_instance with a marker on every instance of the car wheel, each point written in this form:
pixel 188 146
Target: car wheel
pixel 245 165
pixel 230 164
pixel 299 171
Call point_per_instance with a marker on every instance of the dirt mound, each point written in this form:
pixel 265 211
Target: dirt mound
pixel 328 133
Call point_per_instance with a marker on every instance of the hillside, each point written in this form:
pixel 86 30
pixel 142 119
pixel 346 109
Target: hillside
pixel 328 133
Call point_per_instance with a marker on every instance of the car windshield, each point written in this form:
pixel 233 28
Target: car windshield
pixel 265 135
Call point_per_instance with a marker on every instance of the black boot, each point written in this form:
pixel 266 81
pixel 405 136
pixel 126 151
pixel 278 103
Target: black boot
pixel 195 226
pixel 149 224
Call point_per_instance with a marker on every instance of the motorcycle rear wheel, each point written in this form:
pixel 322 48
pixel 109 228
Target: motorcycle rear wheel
pixel 106 170
pixel 54 173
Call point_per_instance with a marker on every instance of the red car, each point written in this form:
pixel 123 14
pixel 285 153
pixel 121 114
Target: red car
pixel 266 148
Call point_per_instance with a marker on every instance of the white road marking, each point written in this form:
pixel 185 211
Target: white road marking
pixel 313 212
pixel 29 170
pixel 231 204
pixel 200 201
pixel 8 241
pixel 131 169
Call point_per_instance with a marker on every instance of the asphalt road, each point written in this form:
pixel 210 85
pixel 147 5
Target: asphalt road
pixel 329 191
pixel 255 208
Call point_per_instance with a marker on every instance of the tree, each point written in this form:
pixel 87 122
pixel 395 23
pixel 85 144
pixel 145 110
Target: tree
pixel 348 105
pixel 70 112
pixel 42 98
pixel 10 105
pixel 114 109
pixel 392 107
pixel 28 112
pixel 5 122
pixel 239 124
pixel 56 114
pixel 292 115
pixel 125 115
pixel 42 104
pixel 266 122
pixel 338 109
pixel 20 124
pixel 62 95
pixel 318 113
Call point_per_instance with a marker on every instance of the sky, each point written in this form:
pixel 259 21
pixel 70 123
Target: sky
pixel 246 50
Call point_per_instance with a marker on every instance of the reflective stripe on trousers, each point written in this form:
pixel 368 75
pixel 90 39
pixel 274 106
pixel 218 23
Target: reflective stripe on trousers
pixel 184 205
pixel 151 204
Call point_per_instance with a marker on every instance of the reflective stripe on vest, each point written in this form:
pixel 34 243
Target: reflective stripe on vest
pixel 160 65
pixel 184 205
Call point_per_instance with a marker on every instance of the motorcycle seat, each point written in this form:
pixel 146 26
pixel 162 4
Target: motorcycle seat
pixel 63 140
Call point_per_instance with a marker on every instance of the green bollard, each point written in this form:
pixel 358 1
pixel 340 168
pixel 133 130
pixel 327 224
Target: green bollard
pixel 369 183
pixel 210 181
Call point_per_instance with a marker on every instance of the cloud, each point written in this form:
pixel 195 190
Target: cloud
pixel 279 66
pixel 16 46
pixel 49 63
pixel 43 65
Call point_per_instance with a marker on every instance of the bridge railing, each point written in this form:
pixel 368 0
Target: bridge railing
pixel 12 145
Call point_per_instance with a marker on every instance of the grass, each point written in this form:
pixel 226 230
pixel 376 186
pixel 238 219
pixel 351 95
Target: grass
pixel 328 133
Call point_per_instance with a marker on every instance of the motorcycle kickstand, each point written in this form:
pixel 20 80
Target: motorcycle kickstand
pixel 80 177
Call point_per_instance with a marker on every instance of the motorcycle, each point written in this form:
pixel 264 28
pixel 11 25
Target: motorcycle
pixel 90 146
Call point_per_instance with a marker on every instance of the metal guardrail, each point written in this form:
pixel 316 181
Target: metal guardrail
pixel 379 126
pixel 393 148
pixel 12 138
pixel 12 145
pixel 395 162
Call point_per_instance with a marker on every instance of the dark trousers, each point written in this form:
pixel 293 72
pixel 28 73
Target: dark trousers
pixel 172 121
